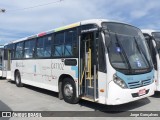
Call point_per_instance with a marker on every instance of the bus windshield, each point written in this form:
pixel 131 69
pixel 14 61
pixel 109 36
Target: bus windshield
pixel 127 48
pixel 156 35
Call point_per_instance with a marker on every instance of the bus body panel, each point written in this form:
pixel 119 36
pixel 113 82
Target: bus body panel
pixel 8 75
pixel 102 87
pixel 115 97
pixel 0 73
pixel 43 73
pixel 4 71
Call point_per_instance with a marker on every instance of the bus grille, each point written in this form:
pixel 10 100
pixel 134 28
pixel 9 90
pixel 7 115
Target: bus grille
pixel 141 83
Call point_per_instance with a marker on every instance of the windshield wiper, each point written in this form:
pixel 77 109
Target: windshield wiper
pixel 119 44
pixel 142 53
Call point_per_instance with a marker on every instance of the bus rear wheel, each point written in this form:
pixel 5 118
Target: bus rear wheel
pixel 69 91
pixel 18 79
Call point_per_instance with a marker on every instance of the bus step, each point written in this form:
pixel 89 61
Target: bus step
pixel 90 92
pixel 88 98
pixel 90 87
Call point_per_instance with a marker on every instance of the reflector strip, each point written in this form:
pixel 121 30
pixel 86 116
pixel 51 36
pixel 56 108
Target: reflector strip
pixel 101 90
pixel 41 34
pixel 67 27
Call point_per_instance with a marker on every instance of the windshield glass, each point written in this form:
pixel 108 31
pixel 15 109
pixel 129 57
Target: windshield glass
pixel 127 48
pixel 156 36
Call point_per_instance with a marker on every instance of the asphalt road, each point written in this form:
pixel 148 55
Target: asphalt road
pixel 30 98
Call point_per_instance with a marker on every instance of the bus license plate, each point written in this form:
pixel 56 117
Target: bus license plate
pixel 142 92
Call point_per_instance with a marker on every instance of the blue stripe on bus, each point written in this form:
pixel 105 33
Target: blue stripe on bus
pixel 135 81
pixel 75 68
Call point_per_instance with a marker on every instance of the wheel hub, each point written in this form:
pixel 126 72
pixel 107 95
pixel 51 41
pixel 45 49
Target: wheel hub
pixel 68 90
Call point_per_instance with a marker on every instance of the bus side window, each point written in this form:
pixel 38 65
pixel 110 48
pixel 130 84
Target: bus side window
pixel 65 43
pixel 70 46
pixel 19 50
pixel 29 49
pixel 58 46
pixel 12 51
pixel 44 46
pixel 47 47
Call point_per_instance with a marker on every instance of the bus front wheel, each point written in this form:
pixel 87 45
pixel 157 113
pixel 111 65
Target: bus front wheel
pixel 18 79
pixel 69 91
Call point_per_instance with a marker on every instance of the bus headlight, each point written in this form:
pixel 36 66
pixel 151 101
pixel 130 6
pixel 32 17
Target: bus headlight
pixel 119 82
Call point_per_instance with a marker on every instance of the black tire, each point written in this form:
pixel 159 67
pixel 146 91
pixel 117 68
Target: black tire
pixel 18 79
pixel 69 91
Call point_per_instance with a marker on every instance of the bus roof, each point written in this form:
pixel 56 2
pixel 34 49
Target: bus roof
pixel 1 46
pixel 85 22
pixel 149 31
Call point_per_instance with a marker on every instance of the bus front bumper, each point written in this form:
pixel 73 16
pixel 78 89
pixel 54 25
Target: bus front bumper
pixel 117 95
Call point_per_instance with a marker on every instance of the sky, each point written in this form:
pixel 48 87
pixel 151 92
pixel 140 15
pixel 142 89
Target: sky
pixel 24 18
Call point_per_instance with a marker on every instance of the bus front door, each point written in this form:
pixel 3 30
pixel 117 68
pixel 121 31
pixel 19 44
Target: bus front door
pixel 88 66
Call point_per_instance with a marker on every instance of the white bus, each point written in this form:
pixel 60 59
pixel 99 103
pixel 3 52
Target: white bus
pixel 1 61
pixel 5 62
pixel 97 60
pixel 153 40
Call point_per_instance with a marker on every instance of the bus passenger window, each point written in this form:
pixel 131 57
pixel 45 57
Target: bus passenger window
pixel 44 46
pixel 58 44
pixel 58 50
pixel 19 50
pixel 12 51
pixel 68 50
pixel 29 49
pixel 70 47
pixel 65 44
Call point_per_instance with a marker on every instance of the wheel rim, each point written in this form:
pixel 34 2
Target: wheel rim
pixel 68 90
